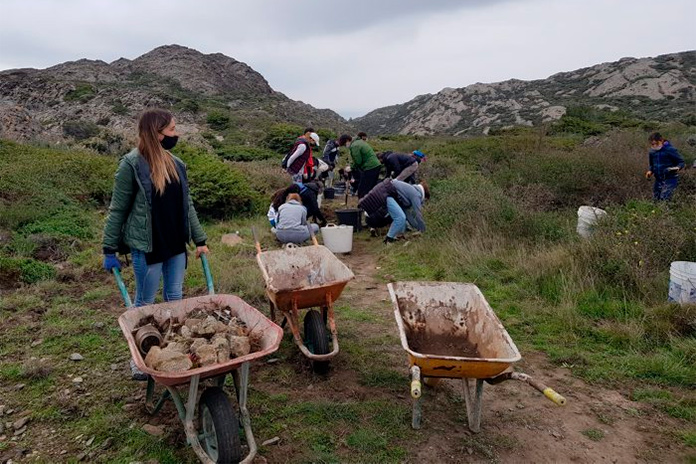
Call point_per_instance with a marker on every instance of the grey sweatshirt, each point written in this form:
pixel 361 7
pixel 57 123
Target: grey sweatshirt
pixel 292 216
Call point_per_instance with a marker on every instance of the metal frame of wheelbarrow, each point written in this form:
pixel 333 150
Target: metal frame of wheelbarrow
pixel 472 371
pixel 289 303
pixel 186 409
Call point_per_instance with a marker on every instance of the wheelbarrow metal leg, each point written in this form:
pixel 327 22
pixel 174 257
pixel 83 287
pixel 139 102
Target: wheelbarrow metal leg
pixel 244 412
pixel 473 403
pixel 186 413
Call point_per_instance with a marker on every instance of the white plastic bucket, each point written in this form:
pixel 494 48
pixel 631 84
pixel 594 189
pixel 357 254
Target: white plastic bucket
pixel 587 218
pixel 338 239
pixel 682 282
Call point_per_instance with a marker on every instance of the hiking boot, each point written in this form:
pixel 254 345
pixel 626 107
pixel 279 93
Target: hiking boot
pixel 136 373
pixel 388 240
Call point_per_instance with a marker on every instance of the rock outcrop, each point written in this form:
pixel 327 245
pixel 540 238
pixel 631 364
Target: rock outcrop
pixel 659 88
pixel 105 98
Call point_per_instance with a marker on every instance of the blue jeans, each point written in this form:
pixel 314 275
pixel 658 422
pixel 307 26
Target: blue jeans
pixel 147 278
pixel 398 225
pixel 663 189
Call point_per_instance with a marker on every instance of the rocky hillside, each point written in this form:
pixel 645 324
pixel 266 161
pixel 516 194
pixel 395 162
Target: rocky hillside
pixel 660 88
pixel 97 102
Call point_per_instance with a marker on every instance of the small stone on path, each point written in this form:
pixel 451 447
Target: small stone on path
pixel 20 431
pixel 153 430
pixel 18 424
pixel 19 386
pixel 114 367
pixel 98 325
pixel 77 380
pixel 231 239
pixel 272 361
pixel 90 441
pixel 36 342
pixel 76 357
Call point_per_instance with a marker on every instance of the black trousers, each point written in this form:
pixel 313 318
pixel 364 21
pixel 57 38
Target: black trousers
pixel 368 179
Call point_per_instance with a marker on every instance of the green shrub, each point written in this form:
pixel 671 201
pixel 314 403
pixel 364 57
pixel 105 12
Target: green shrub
pixel 244 153
pixel 80 129
pixel 69 222
pixel 28 270
pixel 217 189
pixel 218 120
pixel 81 93
pixel 119 108
pixel 280 137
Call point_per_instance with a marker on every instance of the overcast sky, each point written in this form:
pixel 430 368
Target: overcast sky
pixel 358 55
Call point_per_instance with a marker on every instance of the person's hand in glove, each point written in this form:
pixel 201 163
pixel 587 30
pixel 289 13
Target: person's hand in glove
pixel 648 174
pixel 111 262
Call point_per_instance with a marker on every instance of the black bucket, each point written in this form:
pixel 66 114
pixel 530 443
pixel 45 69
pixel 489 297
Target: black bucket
pixel 329 193
pixel 350 217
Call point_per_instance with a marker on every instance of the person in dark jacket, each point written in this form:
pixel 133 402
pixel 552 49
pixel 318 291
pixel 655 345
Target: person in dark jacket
pixel 309 193
pixel 152 213
pixel 330 157
pixel 665 164
pixel 399 166
pixel 380 202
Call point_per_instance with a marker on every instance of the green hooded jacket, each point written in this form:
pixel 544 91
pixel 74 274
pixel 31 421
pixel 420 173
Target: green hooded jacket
pixel 363 155
pixel 129 224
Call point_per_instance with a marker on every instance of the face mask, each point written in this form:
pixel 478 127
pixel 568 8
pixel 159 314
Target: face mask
pixel 169 142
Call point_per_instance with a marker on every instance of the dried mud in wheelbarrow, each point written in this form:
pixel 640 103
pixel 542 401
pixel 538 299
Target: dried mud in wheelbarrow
pixel 449 330
pixel 304 274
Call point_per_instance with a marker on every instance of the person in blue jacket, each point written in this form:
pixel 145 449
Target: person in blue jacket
pixel 665 164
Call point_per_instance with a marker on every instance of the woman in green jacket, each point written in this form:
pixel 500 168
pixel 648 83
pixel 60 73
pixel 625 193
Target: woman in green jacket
pixel 151 212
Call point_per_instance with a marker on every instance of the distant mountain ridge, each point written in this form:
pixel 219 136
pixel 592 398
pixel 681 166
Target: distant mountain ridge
pixel 659 88
pixel 35 104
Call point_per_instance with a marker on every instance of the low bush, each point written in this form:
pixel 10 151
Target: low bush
pixel 218 120
pixel 280 137
pixel 217 189
pixel 244 153
pixel 27 270
pixel 80 129
pixel 81 93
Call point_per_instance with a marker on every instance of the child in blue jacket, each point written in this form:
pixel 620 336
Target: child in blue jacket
pixel 665 163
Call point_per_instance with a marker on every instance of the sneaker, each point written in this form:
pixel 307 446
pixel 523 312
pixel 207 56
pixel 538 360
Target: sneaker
pixel 388 239
pixel 136 373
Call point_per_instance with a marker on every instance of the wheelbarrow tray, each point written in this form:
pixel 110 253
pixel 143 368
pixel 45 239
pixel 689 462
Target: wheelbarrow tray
pixel 269 334
pixel 449 330
pixel 305 275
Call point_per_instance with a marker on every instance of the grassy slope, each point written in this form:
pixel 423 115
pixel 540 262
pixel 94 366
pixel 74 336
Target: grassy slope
pixel 502 216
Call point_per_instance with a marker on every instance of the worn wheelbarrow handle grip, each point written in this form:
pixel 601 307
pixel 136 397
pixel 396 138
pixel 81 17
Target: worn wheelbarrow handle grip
pixel 548 392
pixel 126 297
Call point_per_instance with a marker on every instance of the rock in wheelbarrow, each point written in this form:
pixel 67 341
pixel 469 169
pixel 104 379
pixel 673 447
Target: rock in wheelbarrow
pixel 239 346
pixel 167 360
pixel 222 348
pixel 206 355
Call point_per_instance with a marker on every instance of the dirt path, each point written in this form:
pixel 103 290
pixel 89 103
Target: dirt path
pixel 518 424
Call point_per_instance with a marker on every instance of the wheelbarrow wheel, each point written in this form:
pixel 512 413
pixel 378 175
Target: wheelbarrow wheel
pixel 220 427
pixel 316 339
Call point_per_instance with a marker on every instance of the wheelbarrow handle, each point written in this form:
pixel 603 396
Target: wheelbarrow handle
pixel 122 288
pixel 124 291
pixel 256 240
pixel 208 274
pixel 311 234
pixel 547 391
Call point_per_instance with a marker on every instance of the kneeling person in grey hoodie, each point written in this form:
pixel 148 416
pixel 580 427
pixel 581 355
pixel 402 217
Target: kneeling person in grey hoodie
pixel 291 226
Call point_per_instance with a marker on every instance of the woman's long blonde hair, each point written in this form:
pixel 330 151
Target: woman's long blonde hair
pixel 162 167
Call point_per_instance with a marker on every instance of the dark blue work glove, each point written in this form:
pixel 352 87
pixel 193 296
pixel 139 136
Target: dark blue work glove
pixel 110 262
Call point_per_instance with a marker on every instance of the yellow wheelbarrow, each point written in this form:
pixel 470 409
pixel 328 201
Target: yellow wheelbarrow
pixel 449 330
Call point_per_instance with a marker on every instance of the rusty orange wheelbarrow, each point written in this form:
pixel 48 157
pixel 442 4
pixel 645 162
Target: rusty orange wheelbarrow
pixel 217 438
pixel 450 331
pixel 305 277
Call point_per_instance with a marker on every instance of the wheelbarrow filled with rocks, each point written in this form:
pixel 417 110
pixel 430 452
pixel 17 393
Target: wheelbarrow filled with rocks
pixel 306 277
pixel 449 330
pixel 192 344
